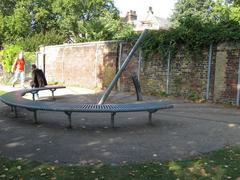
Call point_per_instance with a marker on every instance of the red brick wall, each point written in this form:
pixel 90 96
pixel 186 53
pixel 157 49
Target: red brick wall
pixel 188 74
pixel 89 65
pixel 126 83
pixel 94 64
pixel 227 76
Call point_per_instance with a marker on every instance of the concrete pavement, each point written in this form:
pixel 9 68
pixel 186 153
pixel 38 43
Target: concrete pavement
pixel 186 130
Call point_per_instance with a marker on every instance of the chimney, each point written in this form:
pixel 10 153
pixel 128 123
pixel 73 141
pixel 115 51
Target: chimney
pixel 131 16
pixel 150 10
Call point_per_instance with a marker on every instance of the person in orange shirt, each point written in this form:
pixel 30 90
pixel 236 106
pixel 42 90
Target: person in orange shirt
pixel 18 69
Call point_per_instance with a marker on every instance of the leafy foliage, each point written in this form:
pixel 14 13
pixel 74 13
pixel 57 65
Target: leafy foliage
pixel 90 20
pixel 7 6
pixel 197 24
pixel 193 9
pixel 106 27
pixel 1 29
pixel 75 20
pixel 31 44
pixel 8 55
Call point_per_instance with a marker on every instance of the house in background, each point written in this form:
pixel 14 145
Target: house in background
pixel 149 22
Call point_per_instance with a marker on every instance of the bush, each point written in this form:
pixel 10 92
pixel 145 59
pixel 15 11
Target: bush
pixel 194 96
pixel 31 44
pixel 8 55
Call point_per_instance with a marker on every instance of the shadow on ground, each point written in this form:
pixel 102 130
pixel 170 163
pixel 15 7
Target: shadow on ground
pixel 184 131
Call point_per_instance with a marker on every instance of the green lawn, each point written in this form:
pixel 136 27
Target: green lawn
pixel 1 92
pixel 222 164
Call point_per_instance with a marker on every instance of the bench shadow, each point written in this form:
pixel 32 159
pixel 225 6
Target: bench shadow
pixel 114 97
pixel 88 122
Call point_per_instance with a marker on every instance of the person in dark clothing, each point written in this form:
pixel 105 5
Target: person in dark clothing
pixel 38 77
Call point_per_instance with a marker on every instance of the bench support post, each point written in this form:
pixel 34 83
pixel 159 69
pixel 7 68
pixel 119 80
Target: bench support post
pixel 150 116
pixel 52 90
pixel 69 115
pixel 15 111
pixel 12 109
pixel 137 87
pixel 33 96
pixel 112 119
pixel 35 117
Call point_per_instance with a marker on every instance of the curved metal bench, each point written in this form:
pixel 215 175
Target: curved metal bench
pixel 35 91
pixel 14 99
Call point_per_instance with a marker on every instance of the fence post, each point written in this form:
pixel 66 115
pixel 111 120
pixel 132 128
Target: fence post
pixel 168 71
pixel 238 84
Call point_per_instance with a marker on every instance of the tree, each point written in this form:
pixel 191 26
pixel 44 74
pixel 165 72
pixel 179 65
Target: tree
pixel 2 23
pixel 193 8
pixel 81 20
pixel 106 27
pixel 87 20
pixel 18 25
pixel 43 18
pixel 226 12
pixel 7 7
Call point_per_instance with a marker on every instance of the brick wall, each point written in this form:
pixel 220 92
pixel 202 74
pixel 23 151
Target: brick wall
pixel 226 76
pixel 126 83
pixel 153 75
pixel 89 65
pixel 94 64
pixel 189 73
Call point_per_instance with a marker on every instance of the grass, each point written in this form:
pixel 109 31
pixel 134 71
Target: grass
pixel 2 92
pixel 221 164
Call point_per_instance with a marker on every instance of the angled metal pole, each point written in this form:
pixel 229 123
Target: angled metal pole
pixel 125 63
pixel 209 70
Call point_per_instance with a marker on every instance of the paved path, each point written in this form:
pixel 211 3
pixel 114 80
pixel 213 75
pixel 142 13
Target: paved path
pixel 184 131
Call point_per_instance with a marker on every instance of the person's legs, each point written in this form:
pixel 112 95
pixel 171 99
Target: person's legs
pixel 22 77
pixel 16 75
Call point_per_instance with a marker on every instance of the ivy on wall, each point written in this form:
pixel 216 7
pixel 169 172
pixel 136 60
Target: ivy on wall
pixel 192 34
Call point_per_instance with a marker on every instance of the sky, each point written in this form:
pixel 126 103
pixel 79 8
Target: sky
pixel 161 8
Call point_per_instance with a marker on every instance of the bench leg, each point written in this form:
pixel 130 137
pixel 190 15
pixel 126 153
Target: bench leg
pixel 35 121
pixel 35 117
pixel 15 111
pixel 52 90
pixel 112 119
pixel 12 109
pixel 69 115
pixel 150 118
pixel 33 96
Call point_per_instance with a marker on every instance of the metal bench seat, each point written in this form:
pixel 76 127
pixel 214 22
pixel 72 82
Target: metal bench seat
pixel 35 91
pixel 15 99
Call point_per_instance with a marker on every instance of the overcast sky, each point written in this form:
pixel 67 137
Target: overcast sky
pixel 161 8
